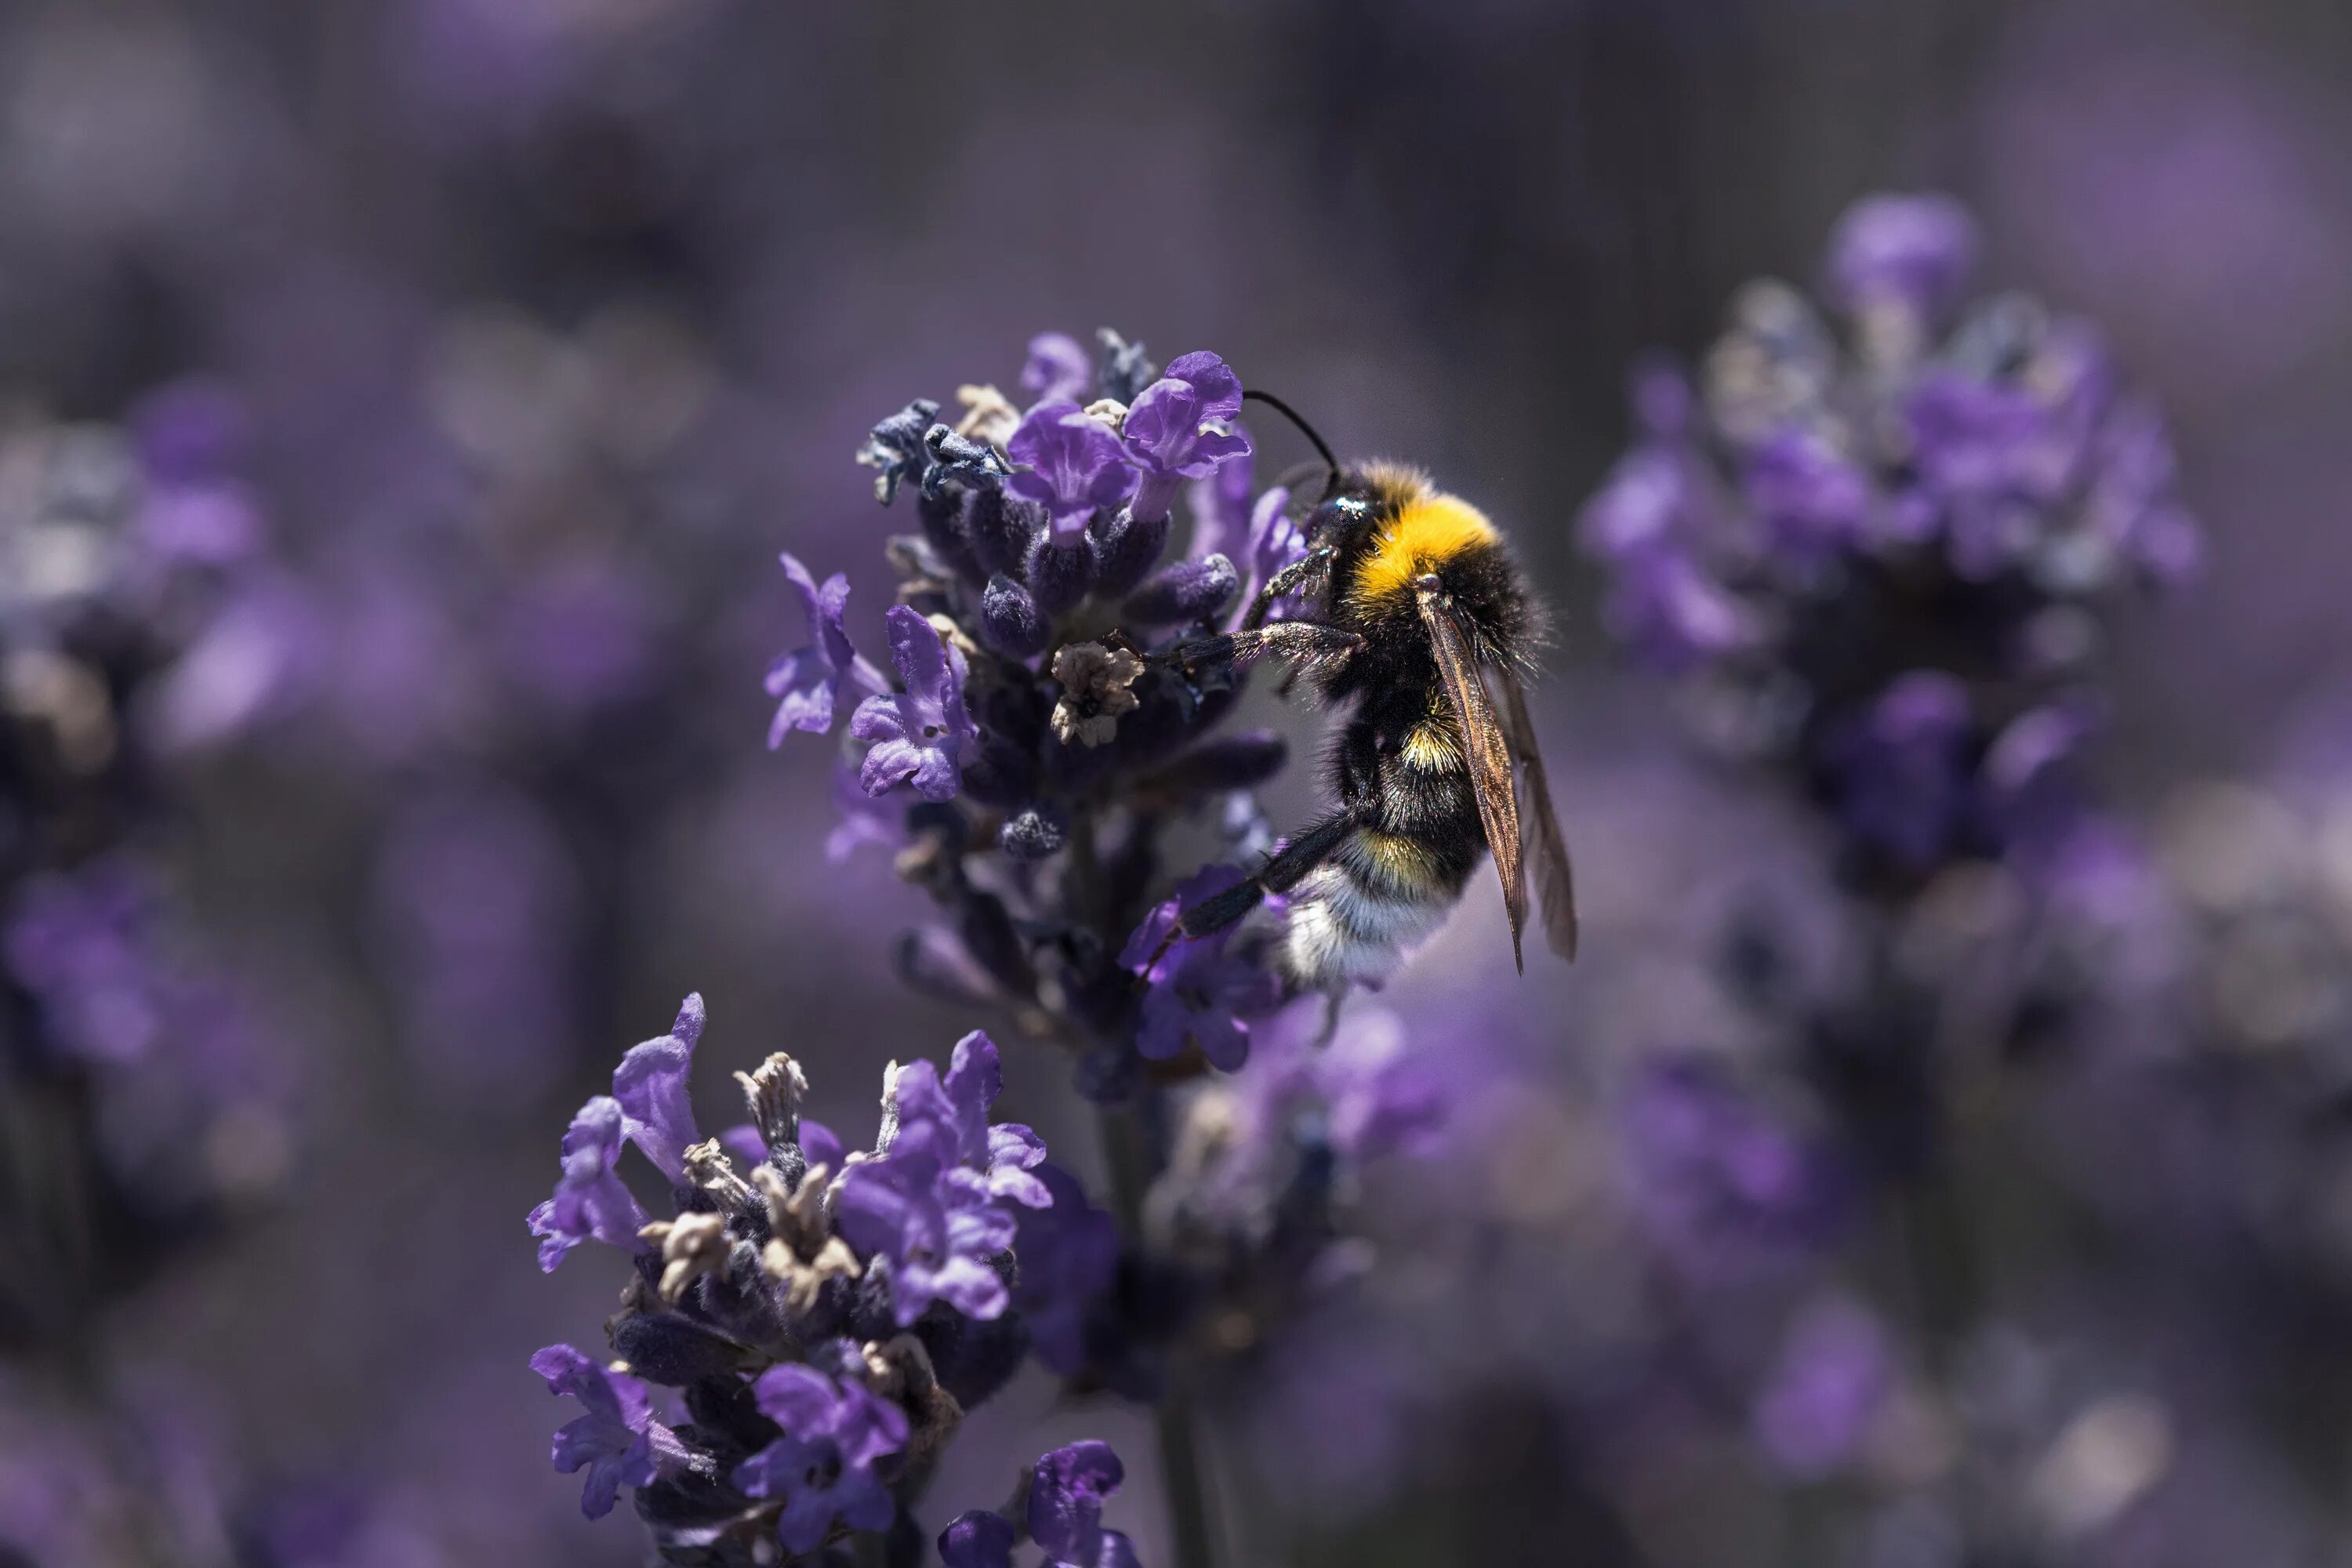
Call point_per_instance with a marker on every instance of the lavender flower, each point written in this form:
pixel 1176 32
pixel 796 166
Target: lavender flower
pixel 1199 994
pixel 617 1440
pixel 934 1200
pixel 1070 465
pixel 917 736
pixel 1066 1489
pixel 1178 428
pixel 590 1201
pixel 650 1086
pixel 808 680
pixel 822 1469
pixel 831 1326
pixel 1066 1493
pixel 1827 517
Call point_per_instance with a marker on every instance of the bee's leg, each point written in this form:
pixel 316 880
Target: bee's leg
pixel 1291 639
pixel 1279 875
pixel 1291 579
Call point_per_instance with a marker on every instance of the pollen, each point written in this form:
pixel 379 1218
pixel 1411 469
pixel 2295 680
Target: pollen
pixel 1429 532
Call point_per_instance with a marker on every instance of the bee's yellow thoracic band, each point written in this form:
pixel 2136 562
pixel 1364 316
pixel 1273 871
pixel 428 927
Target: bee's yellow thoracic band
pixel 1428 531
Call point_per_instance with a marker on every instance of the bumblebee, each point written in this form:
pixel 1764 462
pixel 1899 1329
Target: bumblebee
pixel 1418 622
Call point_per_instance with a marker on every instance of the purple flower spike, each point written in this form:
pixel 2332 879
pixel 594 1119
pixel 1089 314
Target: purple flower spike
pixel 589 1202
pixel 1070 465
pixel 977 1538
pixel 1199 994
pixel 1817 1405
pixel 618 1441
pixel 651 1086
pixel 1066 1499
pixel 1912 251
pixel 1059 368
pixel 919 735
pixel 808 680
pixel 1181 428
pixel 823 1467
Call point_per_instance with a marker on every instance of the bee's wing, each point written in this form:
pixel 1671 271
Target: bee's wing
pixel 1555 878
pixel 1489 758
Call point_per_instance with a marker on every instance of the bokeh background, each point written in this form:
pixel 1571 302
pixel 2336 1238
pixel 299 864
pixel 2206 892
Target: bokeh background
pixel 544 324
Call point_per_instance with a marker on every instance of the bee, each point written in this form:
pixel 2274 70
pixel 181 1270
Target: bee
pixel 1420 625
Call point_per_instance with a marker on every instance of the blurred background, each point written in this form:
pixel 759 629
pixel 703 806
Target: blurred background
pixel 506 343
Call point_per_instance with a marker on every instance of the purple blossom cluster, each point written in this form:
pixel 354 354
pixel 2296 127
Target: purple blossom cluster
pixel 1041 747
pixel 1881 553
pixel 828 1316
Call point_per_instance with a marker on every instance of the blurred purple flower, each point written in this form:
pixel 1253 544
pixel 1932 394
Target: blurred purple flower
pixel 861 819
pixel 1915 251
pixel 1378 1098
pixel 1901 772
pixel 1070 464
pixel 618 1440
pixel 1723 1186
pixel 919 736
pixel 1059 369
pixel 1674 615
pixel 1978 446
pixel 192 432
pixel 651 1086
pixel 1810 499
pixel 823 1467
pixel 808 680
pixel 84 945
pixel 1199 992
pixel 1180 428
pixel 590 1202
pixel 1818 1402
pixel 1069 1256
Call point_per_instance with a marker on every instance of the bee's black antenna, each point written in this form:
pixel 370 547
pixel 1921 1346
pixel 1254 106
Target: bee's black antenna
pixel 1253 395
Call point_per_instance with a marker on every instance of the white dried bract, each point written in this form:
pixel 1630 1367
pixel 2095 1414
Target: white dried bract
pixel 691 1246
pixel 707 1167
pixel 772 1094
pixel 988 415
pixel 1098 686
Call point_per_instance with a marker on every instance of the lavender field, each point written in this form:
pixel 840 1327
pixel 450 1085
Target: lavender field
pixel 721 843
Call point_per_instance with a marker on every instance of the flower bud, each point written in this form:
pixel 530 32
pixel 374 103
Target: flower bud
pixel 1010 622
pixel 1188 591
pixel 1126 550
pixel 1060 574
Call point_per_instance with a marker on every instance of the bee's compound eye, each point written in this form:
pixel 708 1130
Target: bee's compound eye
pixel 1427 582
